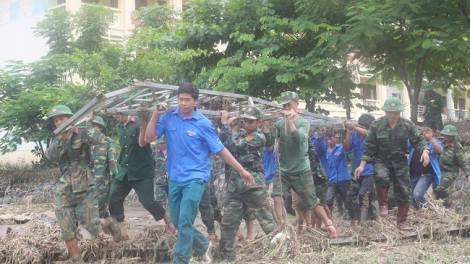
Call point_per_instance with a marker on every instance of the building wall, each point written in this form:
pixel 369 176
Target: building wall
pixel 17 17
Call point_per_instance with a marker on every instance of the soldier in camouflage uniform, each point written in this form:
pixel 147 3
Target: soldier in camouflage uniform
pixel 386 145
pixel 208 206
pixel 76 199
pixel 104 155
pixel 434 105
pixel 161 171
pixel 450 161
pixel 248 145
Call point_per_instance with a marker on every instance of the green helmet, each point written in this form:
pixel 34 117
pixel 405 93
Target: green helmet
pixel 252 112
pixel 98 120
pixel 427 87
pixel 59 110
pixel 449 130
pixel 393 104
pixel 161 140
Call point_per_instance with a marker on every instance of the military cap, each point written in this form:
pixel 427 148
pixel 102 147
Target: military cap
pixel 98 120
pixel 393 104
pixel 449 130
pixel 161 140
pixel 427 87
pixel 287 97
pixel 59 110
pixel 252 112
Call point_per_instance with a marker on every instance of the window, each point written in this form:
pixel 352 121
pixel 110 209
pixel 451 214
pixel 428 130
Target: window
pixel 369 92
pixel 59 2
pixel 114 3
pixel 140 3
pixel 462 103
pixel 90 1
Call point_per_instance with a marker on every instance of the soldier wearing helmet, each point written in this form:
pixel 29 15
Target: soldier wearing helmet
pixel 450 161
pixel 104 155
pixel 76 197
pixel 387 144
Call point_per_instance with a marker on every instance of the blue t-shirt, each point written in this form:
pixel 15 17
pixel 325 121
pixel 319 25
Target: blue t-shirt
pixel 356 146
pixel 188 141
pixel 333 162
pixel 269 161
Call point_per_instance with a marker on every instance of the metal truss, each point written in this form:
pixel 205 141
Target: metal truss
pixel 143 96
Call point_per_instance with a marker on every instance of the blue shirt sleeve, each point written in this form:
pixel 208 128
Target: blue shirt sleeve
pixel 161 125
pixel 320 145
pixel 212 140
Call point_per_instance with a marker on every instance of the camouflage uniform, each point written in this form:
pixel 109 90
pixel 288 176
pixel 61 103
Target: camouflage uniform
pixel 319 176
pixel 208 206
pixel 76 199
pixel 450 161
pixel 161 176
pixel 388 148
pixel 434 104
pixel 105 168
pixel 248 149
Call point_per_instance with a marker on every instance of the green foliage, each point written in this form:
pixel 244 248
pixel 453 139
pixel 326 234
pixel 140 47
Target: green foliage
pixel 57 28
pixel 92 22
pixel 411 41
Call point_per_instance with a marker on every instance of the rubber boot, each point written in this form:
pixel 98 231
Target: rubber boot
pixel 382 199
pixel 401 217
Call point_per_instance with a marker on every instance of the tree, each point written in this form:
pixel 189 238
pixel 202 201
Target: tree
pixel 57 28
pixel 411 41
pixel 92 22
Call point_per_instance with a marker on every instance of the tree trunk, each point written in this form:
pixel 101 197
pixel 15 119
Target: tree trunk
pixel 414 109
pixel 347 104
pixel 310 105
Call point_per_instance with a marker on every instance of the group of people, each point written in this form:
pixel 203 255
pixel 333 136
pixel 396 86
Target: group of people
pixel 312 169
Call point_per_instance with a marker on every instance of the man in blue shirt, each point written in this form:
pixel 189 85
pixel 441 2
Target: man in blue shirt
pixel 190 138
pixel 333 159
pixel 422 177
pixel 355 138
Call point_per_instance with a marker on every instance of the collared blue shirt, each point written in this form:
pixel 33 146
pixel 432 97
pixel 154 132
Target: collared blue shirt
pixel 333 162
pixel 189 142
pixel 269 161
pixel 433 159
pixel 356 144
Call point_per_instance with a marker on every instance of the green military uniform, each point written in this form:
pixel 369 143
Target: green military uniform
pixel 319 176
pixel 136 171
pixel 209 206
pixel 76 198
pixel 161 173
pixel 450 161
pixel 387 148
pixel 434 104
pixel 248 149
pixel 105 168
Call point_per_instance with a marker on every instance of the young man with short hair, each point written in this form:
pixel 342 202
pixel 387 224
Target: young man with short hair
pixel 293 133
pixel 190 138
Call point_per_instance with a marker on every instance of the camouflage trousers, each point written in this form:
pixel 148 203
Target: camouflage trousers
pixel 235 205
pixel 209 207
pixel 302 184
pixel 249 216
pixel 72 209
pixel 161 190
pixel 396 175
pixel 103 187
pixel 441 191
pixel 363 198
